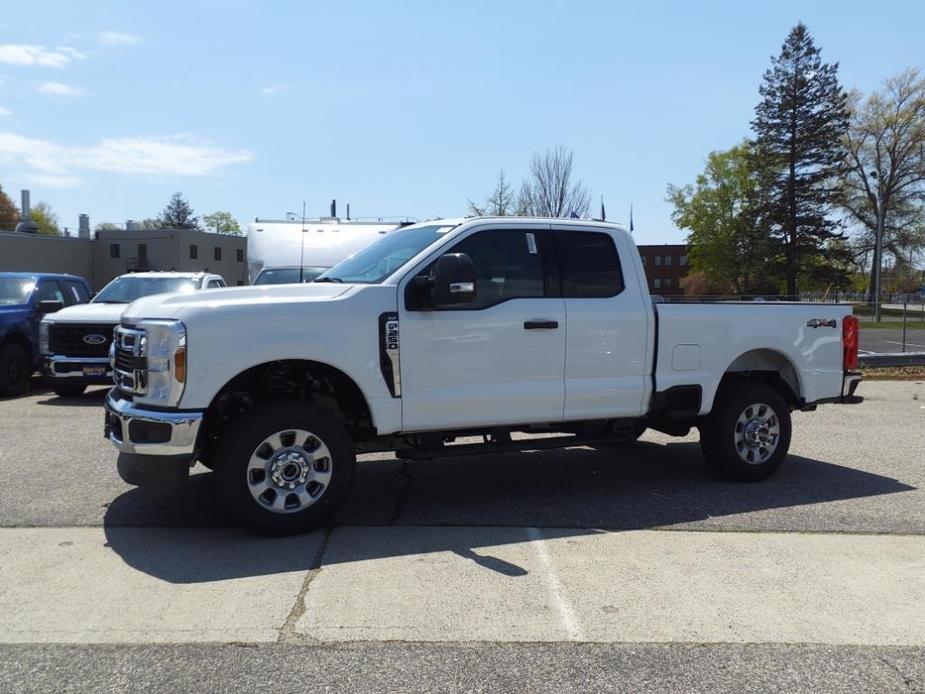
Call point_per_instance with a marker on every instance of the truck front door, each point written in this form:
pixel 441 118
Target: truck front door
pixel 499 359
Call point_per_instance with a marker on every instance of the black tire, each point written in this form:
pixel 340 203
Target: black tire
pixel 243 439
pixel 749 451
pixel 15 369
pixel 68 390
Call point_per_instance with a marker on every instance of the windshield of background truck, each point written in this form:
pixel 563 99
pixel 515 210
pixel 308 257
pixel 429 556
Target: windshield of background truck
pixel 124 290
pixel 287 275
pixel 15 290
pixel 381 259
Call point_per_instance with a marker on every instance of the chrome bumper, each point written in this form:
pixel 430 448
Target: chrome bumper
pixel 150 432
pixel 55 366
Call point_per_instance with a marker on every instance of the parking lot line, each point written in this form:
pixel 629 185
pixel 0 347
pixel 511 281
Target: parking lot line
pixel 566 613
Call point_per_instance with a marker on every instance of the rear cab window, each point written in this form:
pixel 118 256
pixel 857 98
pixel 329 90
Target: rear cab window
pixel 589 265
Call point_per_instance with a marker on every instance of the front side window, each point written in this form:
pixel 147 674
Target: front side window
pixel 589 264
pixel 125 289
pixel 214 284
pixel 508 265
pixel 49 290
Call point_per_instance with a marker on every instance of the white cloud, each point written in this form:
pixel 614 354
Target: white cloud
pixel 53 180
pixel 60 164
pixel 27 54
pixel 60 89
pixel 5 112
pixel 116 38
pixel 273 87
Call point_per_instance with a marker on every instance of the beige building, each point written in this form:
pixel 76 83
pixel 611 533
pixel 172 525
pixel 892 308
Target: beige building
pixel 114 252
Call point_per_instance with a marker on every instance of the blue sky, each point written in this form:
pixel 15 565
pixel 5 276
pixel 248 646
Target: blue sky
pixel 400 108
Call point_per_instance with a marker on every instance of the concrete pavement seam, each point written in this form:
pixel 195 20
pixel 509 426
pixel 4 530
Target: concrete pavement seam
pixel 287 633
pixel 566 614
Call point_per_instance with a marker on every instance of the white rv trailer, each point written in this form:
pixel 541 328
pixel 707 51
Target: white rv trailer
pixel 277 244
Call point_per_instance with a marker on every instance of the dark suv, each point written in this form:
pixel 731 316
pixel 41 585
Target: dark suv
pixel 25 297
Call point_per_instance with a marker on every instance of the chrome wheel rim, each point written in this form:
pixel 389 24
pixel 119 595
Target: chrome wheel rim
pixel 289 471
pixel 757 433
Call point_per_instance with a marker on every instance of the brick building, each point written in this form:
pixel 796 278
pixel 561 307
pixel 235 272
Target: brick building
pixel 666 265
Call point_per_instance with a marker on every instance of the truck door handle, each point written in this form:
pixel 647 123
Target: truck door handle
pixel 541 325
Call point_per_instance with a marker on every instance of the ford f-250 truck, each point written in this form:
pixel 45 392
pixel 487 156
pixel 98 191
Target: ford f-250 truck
pixel 75 342
pixel 451 329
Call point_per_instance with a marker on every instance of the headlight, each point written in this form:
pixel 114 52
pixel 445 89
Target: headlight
pixel 164 349
pixel 44 347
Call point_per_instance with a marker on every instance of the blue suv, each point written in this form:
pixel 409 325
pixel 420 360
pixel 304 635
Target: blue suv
pixel 24 298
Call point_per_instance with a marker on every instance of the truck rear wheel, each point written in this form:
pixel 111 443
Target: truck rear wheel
pixel 747 436
pixel 15 369
pixel 284 467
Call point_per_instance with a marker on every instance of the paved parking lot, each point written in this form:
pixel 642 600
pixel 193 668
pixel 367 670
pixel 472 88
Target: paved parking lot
pixel 570 570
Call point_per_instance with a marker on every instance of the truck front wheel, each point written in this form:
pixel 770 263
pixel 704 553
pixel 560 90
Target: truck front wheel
pixel 284 467
pixel 747 435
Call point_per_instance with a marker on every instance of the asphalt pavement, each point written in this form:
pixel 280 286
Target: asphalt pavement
pixel 573 570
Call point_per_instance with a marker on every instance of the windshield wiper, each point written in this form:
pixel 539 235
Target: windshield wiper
pixel 338 280
pixel 112 301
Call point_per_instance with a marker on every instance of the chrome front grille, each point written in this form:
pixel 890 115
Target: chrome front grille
pixel 129 366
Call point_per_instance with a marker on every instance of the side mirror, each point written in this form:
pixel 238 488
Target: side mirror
pixel 50 306
pixel 452 280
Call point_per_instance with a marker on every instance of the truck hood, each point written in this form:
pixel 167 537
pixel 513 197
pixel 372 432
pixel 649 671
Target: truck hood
pixel 88 313
pixel 171 305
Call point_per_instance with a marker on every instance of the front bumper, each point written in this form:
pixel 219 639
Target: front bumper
pixel 90 370
pixel 141 431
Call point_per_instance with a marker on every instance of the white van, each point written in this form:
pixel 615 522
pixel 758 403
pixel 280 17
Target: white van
pixel 288 251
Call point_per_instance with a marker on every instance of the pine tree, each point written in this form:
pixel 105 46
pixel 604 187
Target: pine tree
pixel 799 127
pixel 178 214
pixel 9 213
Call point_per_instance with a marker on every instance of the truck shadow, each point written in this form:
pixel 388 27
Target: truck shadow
pixel 569 493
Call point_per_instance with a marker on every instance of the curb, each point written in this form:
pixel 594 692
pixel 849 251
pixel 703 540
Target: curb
pixel 874 359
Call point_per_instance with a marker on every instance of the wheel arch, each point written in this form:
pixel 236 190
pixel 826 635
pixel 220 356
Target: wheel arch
pixel 766 365
pixel 307 380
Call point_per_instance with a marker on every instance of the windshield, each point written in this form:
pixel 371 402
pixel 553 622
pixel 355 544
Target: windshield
pixel 287 275
pixel 124 290
pixel 379 260
pixel 15 290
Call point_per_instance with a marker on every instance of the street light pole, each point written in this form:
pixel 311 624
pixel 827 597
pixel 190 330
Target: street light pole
pixel 878 246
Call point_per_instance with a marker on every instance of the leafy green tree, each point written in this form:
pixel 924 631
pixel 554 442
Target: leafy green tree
pixel 884 181
pixel 500 203
pixel 9 213
pixel 106 226
pixel 800 125
pixel 729 248
pixel 222 222
pixel 46 219
pixel 178 215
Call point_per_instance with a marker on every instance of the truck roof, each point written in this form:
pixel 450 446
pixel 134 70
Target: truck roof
pixel 559 221
pixel 171 273
pixel 42 275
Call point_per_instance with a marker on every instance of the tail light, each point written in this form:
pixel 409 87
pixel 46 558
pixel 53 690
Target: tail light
pixel 850 330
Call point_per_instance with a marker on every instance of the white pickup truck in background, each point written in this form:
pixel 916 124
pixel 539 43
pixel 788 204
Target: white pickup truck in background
pixel 450 329
pixel 74 342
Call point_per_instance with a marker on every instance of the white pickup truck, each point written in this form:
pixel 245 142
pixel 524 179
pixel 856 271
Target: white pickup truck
pixel 74 342
pixel 452 329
